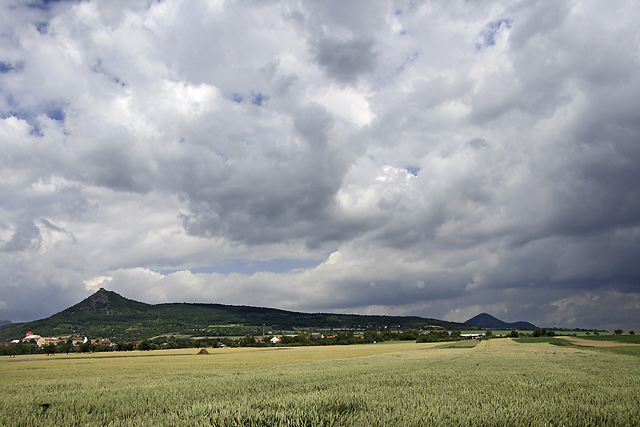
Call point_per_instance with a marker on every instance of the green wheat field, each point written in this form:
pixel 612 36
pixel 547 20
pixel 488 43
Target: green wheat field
pixel 499 382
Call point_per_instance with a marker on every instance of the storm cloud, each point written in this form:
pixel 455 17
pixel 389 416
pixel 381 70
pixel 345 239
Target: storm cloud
pixel 433 159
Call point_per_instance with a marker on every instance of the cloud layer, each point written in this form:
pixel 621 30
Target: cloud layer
pixel 433 159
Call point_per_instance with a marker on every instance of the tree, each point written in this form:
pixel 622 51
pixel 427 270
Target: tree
pixel 370 336
pixel 408 335
pixel 49 349
pixel 618 331
pixel 86 347
pixel 65 347
pixel 632 332
pixel 514 334
pixel 122 346
pixel 145 345
pixel 247 341
pixel 9 350
pixel 543 333
pixel 488 333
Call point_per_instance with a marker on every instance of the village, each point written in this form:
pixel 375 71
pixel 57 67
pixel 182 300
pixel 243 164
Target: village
pixel 33 342
pixel 41 342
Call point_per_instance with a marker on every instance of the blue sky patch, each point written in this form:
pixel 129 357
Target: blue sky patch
pixel 489 32
pixel 413 170
pixel 258 98
pixel 98 68
pixel 43 4
pixel 23 115
pixel 409 59
pixel 42 27
pixel 53 110
pixel 55 113
pixel 7 67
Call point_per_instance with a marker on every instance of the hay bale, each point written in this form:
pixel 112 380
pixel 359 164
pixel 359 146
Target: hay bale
pixel 203 351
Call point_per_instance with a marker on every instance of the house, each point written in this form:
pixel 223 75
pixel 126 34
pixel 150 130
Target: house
pixel 317 336
pixel 31 336
pixel 78 340
pixel 474 336
pixel 40 341
pixel 275 340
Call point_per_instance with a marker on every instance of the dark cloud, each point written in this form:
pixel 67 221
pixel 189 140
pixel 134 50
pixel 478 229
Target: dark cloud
pixel 26 236
pixel 118 168
pixel 278 197
pixel 440 161
pixel 478 143
pixel 345 60
pixel 312 123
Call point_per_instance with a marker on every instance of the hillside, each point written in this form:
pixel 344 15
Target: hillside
pixel 484 320
pixel 107 314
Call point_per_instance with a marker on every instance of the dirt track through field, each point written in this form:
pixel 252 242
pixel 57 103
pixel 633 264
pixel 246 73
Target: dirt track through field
pixel 592 343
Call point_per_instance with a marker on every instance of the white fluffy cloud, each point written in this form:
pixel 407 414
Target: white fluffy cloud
pixel 436 159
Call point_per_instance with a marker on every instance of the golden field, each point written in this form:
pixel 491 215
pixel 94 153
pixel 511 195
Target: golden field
pixel 497 382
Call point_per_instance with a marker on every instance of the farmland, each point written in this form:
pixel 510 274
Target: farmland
pixel 496 382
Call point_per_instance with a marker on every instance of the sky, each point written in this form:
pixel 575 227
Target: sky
pixel 438 159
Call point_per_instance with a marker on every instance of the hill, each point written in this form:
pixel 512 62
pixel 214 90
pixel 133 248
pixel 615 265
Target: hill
pixel 484 320
pixel 106 314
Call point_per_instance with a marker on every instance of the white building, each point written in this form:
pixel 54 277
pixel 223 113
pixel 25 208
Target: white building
pixel 31 336
pixel 472 335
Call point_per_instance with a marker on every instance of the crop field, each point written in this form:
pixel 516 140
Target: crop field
pixel 627 339
pixel 496 382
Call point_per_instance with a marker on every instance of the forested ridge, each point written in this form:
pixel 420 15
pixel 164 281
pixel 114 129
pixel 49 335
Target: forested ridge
pixel 110 315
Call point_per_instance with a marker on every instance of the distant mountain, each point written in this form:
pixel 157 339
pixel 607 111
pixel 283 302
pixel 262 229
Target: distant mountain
pixel 106 314
pixel 484 320
pixel 5 322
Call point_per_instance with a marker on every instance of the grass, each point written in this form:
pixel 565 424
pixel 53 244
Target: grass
pixel 506 332
pixel 539 340
pixel 497 382
pixel 459 344
pixel 629 351
pixel 624 338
